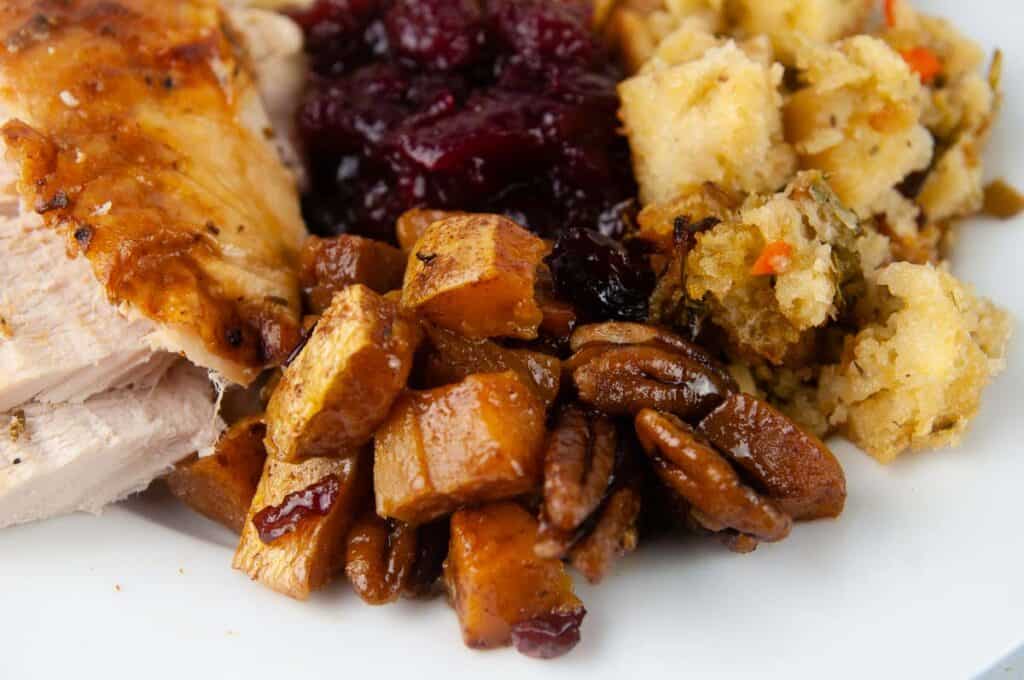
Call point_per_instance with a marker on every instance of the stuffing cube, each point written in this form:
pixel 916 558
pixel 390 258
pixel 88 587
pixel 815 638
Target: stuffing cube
pixel 913 379
pixel 787 22
pixel 476 441
pixel 771 313
pixel 342 384
pixel 329 265
pixel 495 580
pixel 859 120
pixel 221 486
pixel 475 274
pixel 293 540
pixel 714 119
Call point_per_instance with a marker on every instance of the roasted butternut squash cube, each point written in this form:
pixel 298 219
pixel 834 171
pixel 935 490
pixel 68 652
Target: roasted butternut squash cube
pixel 342 384
pixel 329 265
pixel 475 274
pixel 293 540
pixel 455 358
pixel 221 486
pixel 476 441
pixel 495 580
pixel 413 223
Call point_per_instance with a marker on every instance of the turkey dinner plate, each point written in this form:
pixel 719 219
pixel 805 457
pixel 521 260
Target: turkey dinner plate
pixel 920 577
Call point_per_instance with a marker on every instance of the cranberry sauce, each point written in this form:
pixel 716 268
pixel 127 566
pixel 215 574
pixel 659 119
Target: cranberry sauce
pixel 499 105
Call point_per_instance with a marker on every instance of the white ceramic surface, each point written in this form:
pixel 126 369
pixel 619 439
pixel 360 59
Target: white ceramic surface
pixel 922 577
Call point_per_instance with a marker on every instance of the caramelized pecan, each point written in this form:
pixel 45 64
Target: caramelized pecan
pixel 737 542
pixel 624 333
pixel 694 470
pixel 614 534
pixel 380 557
pixel 623 380
pixel 578 466
pixel 431 551
pixel 792 467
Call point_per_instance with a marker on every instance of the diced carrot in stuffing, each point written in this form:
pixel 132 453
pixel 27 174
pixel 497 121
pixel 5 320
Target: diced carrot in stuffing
pixel 496 581
pixel 301 546
pixel 890 13
pixel 479 440
pixel 221 486
pixel 476 275
pixel 342 384
pixel 923 62
pixel 774 259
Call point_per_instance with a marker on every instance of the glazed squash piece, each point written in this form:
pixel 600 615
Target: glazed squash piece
pixel 341 385
pixel 794 468
pixel 502 591
pixel 477 441
pixel 221 486
pixel 475 274
pixel 413 223
pixel 329 265
pixel 293 540
pixel 455 358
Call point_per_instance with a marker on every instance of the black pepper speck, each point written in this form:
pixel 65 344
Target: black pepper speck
pixel 234 337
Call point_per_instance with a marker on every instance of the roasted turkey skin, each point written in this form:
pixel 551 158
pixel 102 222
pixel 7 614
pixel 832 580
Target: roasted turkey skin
pixel 138 134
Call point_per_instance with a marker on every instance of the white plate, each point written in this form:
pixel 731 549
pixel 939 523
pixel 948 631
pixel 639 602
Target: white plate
pixel 922 577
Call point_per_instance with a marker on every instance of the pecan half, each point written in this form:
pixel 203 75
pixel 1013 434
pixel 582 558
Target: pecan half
pixel 737 542
pixel 792 467
pixel 624 333
pixel 380 557
pixel 431 550
pixel 625 380
pixel 694 470
pixel 614 534
pixel 578 466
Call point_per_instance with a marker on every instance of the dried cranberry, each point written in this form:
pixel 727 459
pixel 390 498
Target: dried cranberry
pixel 275 521
pixel 549 636
pixel 602 277
pixel 436 34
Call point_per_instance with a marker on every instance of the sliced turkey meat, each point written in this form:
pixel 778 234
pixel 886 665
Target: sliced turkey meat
pixel 56 459
pixel 137 133
pixel 63 342
pixel 148 211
